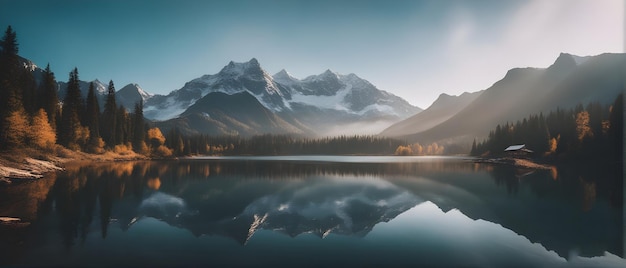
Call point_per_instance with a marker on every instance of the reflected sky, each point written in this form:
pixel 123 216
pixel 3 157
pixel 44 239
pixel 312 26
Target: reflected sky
pixel 443 212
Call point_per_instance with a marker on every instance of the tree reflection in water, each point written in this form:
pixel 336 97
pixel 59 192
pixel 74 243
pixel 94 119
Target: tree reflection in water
pixel 579 210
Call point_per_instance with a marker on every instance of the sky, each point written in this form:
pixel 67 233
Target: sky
pixel 411 48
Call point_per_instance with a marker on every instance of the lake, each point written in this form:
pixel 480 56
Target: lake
pixel 316 211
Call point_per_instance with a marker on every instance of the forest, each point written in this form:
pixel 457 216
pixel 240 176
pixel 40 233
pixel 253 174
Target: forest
pixel 592 132
pixel 279 145
pixel 30 114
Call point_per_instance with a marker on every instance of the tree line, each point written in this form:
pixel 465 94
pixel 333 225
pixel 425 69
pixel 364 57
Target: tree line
pixel 269 144
pixel 587 132
pixel 31 114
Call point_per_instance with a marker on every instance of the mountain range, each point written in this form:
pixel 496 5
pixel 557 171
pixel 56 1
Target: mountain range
pixel 243 99
pixel 569 81
pixel 318 105
pixel 127 96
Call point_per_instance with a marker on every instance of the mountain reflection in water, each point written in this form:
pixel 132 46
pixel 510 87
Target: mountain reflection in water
pixel 402 209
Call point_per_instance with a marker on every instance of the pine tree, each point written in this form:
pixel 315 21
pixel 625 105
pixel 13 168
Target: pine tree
pixel 28 87
pixel 473 151
pixel 70 130
pixel 139 131
pixel 108 122
pixel 616 130
pixel 49 97
pixel 91 119
pixel 10 94
pixel 121 129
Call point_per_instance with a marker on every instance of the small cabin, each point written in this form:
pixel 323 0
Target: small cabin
pixel 518 150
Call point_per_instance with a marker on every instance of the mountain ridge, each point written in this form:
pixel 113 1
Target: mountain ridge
pixel 525 91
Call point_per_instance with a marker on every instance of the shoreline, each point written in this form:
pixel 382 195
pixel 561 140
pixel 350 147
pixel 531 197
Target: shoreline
pixel 514 162
pixel 24 165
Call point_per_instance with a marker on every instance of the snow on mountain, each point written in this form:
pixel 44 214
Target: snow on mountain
pixel 316 101
pixel 347 93
pixel 285 78
pixel 130 94
pixel 99 87
pixel 233 78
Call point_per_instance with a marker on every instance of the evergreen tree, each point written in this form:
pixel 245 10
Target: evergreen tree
pixel 474 150
pixel 49 97
pixel 139 131
pixel 70 131
pixel 28 86
pixel 122 128
pixel 616 131
pixel 10 94
pixel 92 115
pixel 108 123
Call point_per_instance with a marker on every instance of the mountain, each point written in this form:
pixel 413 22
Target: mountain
pixel 100 88
pixel 233 78
pixel 525 91
pixel 130 95
pixel 441 110
pixel 127 96
pixel 319 102
pixel 218 113
pixel 336 104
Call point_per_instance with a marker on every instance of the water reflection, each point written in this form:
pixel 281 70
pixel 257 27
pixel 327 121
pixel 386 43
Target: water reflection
pixel 565 211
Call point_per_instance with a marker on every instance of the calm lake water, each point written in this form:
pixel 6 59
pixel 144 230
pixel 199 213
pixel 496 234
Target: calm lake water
pixel 316 211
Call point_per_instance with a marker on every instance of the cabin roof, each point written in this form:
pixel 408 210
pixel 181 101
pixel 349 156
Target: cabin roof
pixel 515 147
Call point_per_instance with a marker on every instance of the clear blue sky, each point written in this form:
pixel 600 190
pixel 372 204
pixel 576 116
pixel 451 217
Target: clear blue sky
pixel 414 49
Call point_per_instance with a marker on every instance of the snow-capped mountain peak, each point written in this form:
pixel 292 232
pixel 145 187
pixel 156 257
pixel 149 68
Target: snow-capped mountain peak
pixel 99 87
pixel 285 77
pixel 136 90
pixel 251 67
pixel 144 95
pixel 327 75
pixel 315 102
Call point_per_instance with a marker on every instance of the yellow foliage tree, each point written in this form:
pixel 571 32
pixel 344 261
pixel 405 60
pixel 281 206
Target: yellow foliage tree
pixel 553 144
pixel 582 125
pixel 157 140
pixel 16 128
pixel 155 137
pixel 403 150
pixel 41 133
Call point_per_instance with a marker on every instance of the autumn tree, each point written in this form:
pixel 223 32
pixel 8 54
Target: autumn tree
pixel 41 134
pixel 583 130
pixel 16 128
pixel 157 141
